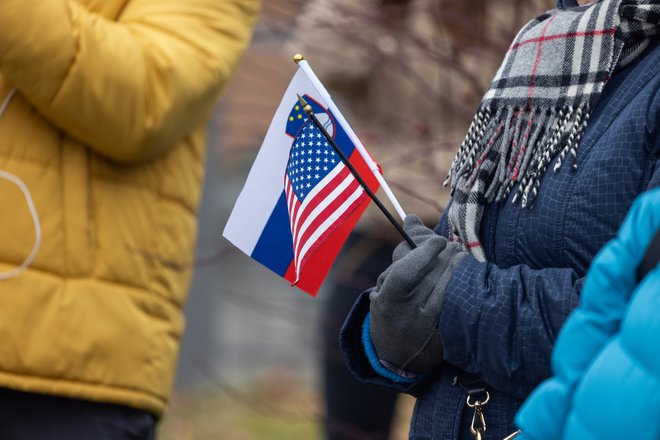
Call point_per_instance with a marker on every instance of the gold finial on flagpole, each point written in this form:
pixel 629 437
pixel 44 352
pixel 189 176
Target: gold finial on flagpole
pixel 298 58
pixel 306 107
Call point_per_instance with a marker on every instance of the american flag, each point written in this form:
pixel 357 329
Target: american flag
pixel 320 191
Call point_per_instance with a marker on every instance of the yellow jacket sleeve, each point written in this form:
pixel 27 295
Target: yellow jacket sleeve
pixel 129 87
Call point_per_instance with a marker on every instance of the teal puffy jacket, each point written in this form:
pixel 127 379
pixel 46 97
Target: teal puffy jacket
pixel 606 367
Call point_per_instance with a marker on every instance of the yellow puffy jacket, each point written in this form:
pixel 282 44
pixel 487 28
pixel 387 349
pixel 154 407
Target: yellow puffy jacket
pixel 107 132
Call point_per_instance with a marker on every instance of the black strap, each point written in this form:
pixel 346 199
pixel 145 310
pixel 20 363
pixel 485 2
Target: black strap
pixel 651 258
pixel 474 385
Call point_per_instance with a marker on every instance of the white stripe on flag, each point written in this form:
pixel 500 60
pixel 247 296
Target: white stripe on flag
pixel 312 194
pixel 318 208
pixel 290 198
pixel 332 219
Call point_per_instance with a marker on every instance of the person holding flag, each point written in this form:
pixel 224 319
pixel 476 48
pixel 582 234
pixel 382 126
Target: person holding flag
pixel 564 140
pixel 408 74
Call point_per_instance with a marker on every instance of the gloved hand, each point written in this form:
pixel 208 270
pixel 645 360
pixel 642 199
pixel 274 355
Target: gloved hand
pixel 407 300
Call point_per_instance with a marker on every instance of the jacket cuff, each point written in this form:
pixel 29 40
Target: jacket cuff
pixel 375 361
pixel 355 356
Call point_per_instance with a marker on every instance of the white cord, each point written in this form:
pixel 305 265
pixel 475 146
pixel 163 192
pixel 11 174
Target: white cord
pixel 28 197
pixel 5 104
pixel 37 227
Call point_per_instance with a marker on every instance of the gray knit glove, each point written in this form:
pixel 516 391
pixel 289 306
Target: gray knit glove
pixel 407 301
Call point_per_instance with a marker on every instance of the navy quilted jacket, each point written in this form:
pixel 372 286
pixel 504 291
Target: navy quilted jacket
pixel 500 318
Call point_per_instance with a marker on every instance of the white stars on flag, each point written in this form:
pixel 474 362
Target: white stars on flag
pixel 301 173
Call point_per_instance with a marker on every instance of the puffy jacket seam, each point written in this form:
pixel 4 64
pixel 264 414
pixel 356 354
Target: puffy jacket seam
pixel 161 195
pixel 638 361
pixel 132 288
pixel 98 385
pixel 142 291
pixel 65 238
pixel 121 11
pixel 10 157
pixel 173 200
pixel 154 243
pixel 74 59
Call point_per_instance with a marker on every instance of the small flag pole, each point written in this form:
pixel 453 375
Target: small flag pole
pixel 308 110
pixel 307 70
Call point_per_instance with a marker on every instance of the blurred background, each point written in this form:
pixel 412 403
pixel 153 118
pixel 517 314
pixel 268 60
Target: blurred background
pixel 260 358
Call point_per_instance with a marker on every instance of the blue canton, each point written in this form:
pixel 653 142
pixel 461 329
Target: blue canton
pixel 310 160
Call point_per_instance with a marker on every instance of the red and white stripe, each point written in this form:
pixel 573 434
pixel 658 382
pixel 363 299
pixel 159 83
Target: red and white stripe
pixel 332 199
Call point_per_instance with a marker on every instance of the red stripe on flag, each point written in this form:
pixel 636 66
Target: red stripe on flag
pixel 318 264
pixel 364 171
pixel 310 204
pixel 318 222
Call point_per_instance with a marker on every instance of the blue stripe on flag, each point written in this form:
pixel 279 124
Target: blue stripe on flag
pixel 344 142
pixel 275 246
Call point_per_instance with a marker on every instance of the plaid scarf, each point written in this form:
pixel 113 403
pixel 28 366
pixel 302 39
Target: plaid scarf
pixel 538 105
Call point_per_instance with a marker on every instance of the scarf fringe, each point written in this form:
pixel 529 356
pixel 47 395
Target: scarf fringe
pixel 515 146
pixel 514 138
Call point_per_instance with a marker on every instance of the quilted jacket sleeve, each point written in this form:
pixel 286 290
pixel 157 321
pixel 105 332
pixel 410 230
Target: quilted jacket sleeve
pixel 129 88
pixel 502 323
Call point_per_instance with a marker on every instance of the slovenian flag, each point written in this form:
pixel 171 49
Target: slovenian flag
pixel 300 203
